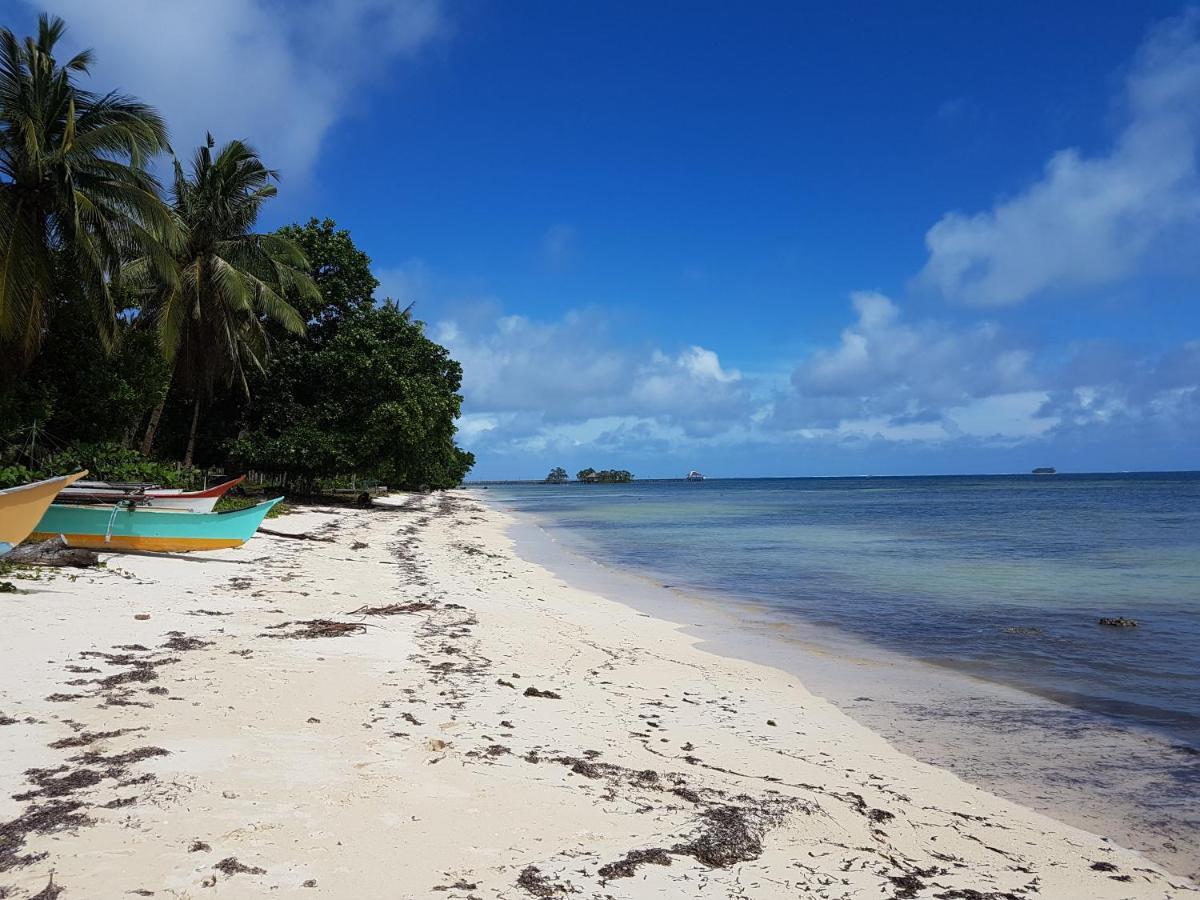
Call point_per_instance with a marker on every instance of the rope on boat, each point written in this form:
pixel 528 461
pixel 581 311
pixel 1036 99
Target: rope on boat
pixel 113 518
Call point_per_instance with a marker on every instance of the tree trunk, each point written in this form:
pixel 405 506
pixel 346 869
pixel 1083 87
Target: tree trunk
pixel 156 416
pixel 152 428
pixel 191 447
pixel 53 552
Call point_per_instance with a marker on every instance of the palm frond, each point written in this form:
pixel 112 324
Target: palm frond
pixel 77 162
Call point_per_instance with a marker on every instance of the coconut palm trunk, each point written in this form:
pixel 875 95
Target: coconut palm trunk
pixel 156 417
pixel 191 444
pixel 152 427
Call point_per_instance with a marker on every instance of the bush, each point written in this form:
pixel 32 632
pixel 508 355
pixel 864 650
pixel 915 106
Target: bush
pixel 104 462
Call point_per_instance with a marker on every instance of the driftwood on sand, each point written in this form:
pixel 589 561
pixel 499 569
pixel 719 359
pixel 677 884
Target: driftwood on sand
pixel 302 536
pixel 53 552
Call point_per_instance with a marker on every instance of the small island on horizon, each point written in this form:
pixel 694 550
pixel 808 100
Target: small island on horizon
pixel 558 475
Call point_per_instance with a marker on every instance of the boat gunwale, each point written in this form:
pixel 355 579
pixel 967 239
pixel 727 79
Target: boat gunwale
pixel 18 488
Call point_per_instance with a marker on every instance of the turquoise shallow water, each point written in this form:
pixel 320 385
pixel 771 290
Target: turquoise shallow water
pixel 1003 577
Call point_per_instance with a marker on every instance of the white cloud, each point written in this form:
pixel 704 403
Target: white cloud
pixel 890 381
pixel 567 382
pixel 569 391
pixel 884 368
pixel 278 75
pixel 1089 220
pixel 570 369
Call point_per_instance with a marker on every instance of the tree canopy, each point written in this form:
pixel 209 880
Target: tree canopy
pixel 227 282
pixel 364 391
pixel 122 309
pixel 76 203
pixel 604 476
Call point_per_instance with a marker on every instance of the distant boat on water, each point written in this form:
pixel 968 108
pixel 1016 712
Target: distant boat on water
pixel 1045 470
pixel 694 476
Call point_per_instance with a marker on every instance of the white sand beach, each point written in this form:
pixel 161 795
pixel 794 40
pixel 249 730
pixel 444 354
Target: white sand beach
pixel 171 729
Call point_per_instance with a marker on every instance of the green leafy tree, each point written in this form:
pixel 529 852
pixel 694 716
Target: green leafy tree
pixel 378 398
pixel 228 281
pixel 341 272
pixel 363 391
pixel 557 475
pixel 615 476
pixel 75 198
pixel 605 476
pixel 77 390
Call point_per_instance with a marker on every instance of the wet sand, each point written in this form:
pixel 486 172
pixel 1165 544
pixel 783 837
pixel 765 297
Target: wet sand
pixel 469 726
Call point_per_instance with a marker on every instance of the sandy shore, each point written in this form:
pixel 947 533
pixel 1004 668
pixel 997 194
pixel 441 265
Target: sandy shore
pixel 171 730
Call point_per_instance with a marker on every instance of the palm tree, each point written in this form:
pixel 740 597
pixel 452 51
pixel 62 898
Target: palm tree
pixel 75 199
pixel 228 281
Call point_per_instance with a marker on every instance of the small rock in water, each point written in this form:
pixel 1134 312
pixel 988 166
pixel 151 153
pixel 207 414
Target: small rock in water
pixel 1118 622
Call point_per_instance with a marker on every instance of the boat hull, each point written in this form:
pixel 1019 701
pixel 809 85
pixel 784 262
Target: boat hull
pixel 22 507
pixel 177 504
pixel 112 528
pixel 154 498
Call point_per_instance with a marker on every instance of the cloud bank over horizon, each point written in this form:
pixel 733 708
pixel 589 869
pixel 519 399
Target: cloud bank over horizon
pixel 568 392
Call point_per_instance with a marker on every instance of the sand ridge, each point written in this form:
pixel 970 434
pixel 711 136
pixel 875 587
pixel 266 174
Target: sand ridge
pixel 410 710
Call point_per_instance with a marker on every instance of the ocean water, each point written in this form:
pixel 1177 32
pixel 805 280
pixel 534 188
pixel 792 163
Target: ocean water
pixel 1000 579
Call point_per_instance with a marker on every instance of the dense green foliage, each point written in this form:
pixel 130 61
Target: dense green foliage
pixel 76 203
pixel 104 461
pixel 604 476
pixel 126 321
pixel 364 391
pixel 76 389
pixel 558 475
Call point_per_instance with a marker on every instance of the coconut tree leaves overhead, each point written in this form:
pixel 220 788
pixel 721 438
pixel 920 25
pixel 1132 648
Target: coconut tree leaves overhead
pixel 75 198
pixel 228 280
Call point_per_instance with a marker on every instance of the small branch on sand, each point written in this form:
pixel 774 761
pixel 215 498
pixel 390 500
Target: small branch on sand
pixel 391 609
pixel 53 552
pixel 318 628
pixel 303 536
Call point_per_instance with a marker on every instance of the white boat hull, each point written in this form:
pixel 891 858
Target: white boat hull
pixel 149 501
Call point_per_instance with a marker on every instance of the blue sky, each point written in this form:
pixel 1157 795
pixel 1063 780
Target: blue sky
pixel 753 239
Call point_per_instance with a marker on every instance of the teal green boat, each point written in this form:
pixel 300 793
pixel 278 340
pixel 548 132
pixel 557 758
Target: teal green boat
pixel 128 527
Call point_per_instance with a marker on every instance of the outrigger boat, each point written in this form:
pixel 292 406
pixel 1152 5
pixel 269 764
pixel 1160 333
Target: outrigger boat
pixel 149 496
pixel 23 506
pixel 125 526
